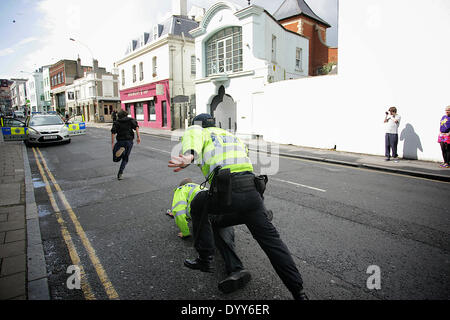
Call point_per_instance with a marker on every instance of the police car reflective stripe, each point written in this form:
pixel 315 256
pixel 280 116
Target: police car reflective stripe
pixel 76 128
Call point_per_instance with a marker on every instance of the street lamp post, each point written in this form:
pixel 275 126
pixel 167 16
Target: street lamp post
pixel 94 72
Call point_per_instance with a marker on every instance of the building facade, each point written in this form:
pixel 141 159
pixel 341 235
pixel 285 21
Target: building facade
pixel 19 94
pixel 158 71
pixel 5 95
pixel 297 16
pixel 239 51
pixel 95 96
pixel 47 89
pixel 35 89
pixel 61 74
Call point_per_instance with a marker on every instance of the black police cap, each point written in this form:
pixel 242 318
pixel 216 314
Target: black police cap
pixel 205 119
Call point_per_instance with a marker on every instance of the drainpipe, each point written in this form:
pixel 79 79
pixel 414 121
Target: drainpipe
pixel 172 49
pixel 182 76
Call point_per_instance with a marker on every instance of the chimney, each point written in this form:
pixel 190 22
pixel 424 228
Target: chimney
pixel 179 7
pixel 95 65
pixel 79 69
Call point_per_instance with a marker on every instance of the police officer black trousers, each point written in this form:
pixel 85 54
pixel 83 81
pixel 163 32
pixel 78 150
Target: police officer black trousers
pixel 246 208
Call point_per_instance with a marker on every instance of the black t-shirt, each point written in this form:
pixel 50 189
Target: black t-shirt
pixel 124 128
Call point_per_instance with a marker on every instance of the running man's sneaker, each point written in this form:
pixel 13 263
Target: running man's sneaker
pixel 119 152
pixel 387 159
pixel 444 165
pixel 119 176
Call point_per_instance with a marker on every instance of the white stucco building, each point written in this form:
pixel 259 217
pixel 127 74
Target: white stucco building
pixel 238 52
pixel 35 89
pixel 93 88
pixel 47 88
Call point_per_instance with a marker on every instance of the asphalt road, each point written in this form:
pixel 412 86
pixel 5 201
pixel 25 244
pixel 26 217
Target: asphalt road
pixel 336 220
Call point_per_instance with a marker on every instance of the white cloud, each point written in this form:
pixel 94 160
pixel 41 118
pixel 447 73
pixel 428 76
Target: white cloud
pixel 13 48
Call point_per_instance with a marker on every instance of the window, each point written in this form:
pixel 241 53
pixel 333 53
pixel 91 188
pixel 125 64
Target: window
pixel 193 67
pixel 134 73
pixel 224 51
pixel 123 77
pixel 154 62
pixel 141 71
pixel 298 59
pixel 274 48
pixel 58 79
pixel 139 110
pixel 151 110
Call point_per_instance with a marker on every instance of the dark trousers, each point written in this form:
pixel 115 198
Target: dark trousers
pixel 445 147
pixel 247 208
pixel 128 145
pixel 391 141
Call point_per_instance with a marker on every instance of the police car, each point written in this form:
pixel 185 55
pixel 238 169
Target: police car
pixel 42 129
pixel 47 128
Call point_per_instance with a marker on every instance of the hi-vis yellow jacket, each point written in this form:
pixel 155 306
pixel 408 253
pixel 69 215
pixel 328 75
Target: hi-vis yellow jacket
pixel 216 147
pixel 181 205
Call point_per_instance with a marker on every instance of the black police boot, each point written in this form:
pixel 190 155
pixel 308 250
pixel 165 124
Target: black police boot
pixel 204 265
pixel 235 281
pixel 300 295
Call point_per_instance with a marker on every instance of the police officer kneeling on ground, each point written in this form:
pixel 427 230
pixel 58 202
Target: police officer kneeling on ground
pixel 235 197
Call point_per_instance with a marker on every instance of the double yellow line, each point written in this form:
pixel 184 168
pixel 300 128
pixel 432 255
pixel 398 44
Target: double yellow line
pixel 86 288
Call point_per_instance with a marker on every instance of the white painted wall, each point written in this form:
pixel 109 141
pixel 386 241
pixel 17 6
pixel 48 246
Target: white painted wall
pixel 391 53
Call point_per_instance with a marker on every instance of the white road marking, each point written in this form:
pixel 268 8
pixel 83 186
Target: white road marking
pixel 299 185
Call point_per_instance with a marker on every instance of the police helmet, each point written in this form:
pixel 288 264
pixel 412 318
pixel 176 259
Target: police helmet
pixel 204 119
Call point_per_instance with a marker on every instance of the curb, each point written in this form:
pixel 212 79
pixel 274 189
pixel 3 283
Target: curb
pixel 37 282
pixel 418 174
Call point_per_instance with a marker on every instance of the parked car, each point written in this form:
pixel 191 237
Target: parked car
pixel 47 128
pixel 19 114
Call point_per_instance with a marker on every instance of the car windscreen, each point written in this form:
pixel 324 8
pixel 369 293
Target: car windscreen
pixel 45 121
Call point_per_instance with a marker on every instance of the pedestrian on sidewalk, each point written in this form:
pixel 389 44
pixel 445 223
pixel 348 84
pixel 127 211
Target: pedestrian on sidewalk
pixel 444 138
pixel 123 128
pixel 392 122
pixel 114 115
pixel 184 195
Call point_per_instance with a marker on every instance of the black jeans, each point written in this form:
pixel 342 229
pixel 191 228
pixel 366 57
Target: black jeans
pixel 445 147
pixel 247 208
pixel 391 141
pixel 128 145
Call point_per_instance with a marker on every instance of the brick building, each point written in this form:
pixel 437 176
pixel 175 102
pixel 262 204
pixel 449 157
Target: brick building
pixel 63 73
pixel 5 95
pixel 297 16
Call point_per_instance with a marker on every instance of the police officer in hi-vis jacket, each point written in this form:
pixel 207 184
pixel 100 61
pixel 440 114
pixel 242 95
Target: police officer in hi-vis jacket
pixel 234 197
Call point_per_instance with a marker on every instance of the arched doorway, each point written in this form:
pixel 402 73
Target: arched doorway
pixel 223 109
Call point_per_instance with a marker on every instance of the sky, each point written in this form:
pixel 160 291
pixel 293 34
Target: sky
pixel 34 33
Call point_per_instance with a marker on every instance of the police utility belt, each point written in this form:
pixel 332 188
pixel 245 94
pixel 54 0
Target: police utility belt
pixel 224 183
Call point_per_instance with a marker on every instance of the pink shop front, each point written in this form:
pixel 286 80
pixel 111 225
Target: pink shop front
pixel 149 107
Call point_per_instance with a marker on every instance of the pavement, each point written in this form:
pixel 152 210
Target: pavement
pixel 416 168
pixel 23 274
